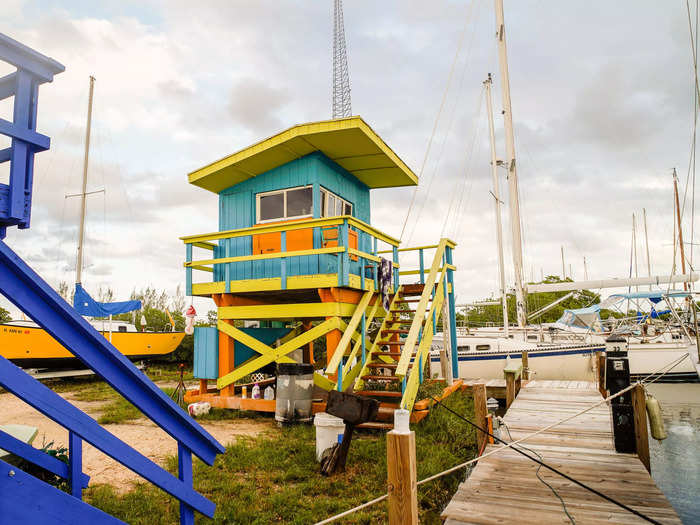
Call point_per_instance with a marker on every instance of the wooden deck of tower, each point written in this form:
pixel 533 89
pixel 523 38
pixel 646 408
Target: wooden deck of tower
pixel 504 488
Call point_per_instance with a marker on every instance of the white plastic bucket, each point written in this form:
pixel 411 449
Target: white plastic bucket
pixel 328 430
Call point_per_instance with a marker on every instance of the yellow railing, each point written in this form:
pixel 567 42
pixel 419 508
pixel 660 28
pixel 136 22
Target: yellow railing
pixel 343 223
pixel 428 290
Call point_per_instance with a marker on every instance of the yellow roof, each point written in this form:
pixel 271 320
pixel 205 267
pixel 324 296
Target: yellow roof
pixel 349 142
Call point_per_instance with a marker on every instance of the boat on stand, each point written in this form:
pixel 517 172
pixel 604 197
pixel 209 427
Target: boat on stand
pixel 29 346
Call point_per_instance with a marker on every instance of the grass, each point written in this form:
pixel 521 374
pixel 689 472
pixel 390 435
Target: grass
pixel 274 477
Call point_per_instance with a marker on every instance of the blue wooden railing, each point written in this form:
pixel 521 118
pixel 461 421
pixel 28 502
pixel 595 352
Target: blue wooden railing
pixel 24 498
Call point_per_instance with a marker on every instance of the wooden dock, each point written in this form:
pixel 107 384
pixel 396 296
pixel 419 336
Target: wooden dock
pixel 504 488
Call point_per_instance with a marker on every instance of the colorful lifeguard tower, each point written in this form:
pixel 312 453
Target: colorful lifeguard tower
pixel 296 252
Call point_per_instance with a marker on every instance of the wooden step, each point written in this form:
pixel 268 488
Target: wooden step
pixel 412 289
pixel 390 354
pixel 390 366
pixel 378 393
pixel 380 378
pixel 390 343
pixel 395 331
pixel 408 300
pixel 401 311
pixel 376 425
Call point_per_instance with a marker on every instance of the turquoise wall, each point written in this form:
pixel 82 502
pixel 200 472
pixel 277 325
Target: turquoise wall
pixel 237 210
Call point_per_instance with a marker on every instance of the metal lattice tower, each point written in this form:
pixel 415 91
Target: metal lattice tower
pixel 342 106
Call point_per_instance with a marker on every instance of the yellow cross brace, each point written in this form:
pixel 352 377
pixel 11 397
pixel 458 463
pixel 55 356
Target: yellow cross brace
pixel 347 334
pixel 268 354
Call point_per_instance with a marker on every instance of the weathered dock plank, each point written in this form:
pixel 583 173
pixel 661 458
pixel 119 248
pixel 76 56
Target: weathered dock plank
pixel 504 488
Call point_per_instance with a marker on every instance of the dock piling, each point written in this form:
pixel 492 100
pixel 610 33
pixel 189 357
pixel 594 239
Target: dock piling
pixel 401 477
pixel 641 431
pixel 480 413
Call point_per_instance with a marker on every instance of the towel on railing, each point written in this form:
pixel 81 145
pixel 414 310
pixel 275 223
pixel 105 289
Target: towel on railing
pixel 385 269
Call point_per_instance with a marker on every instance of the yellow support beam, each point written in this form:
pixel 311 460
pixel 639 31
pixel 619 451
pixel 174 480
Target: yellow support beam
pixel 287 311
pixel 205 245
pixel 268 354
pixel 322 381
pixel 339 351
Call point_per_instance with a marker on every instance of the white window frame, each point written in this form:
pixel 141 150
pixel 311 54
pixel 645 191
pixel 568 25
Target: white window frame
pixel 324 200
pixel 284 200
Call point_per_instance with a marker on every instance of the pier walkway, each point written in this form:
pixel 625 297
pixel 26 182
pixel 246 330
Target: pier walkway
pixel 504 488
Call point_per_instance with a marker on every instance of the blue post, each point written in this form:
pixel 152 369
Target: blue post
pixel 340 374
pixel 188 270
pixel 452 314
pixel 363 324
pixel 345 256
pixel 75 455
pixel 283 260
pixel 420 358
pixel 422 268
pixel 396 270
pixel 184 472
pixel 227 266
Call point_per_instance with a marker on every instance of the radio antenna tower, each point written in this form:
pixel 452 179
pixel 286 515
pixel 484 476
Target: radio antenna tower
pixel 341 75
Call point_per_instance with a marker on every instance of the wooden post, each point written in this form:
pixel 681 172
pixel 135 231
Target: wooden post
pixel 641 432
pixel 480 413
pixel 526 368
pixel 401 478
pixel 203 386
pixel 510 388
pixel 600 369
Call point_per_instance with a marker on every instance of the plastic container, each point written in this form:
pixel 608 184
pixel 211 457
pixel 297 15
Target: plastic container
pixel 295 385
pixel 269 393
pixel 329 431
pixel 255 394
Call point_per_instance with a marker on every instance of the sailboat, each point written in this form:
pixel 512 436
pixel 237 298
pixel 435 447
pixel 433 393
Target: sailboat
pixel 29 346
pixel 563 350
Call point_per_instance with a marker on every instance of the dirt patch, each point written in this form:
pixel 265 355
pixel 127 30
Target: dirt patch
pixel 141 434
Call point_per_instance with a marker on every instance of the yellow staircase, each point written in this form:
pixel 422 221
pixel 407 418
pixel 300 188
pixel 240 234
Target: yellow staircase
pixel 392 367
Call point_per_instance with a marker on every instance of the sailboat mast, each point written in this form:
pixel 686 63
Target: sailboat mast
pixel 517 250
pixel 646 242
pixel 83 194
pixel 680 229
pixel 634 247
pixel 497 207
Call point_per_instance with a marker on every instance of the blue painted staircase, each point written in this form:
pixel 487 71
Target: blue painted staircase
pixel 24 498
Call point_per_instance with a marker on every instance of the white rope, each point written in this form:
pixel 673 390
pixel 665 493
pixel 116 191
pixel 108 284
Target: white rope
pixel 659 373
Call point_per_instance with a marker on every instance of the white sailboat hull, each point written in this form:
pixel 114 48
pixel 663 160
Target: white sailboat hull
pixel 565 362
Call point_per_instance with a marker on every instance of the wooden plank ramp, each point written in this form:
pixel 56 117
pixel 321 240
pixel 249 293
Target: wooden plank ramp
pixel 504 488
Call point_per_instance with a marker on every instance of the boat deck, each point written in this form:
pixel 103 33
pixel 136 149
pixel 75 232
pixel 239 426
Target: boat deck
pixel 504 488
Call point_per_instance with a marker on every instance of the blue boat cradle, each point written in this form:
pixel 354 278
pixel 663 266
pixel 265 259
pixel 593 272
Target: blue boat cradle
pixel 24 498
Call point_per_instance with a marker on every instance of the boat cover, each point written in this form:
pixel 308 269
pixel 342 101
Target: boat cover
pixel 86 305
pixel 583 318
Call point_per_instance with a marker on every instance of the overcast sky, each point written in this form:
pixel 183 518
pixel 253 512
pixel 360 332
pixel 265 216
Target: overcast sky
pixel 602 100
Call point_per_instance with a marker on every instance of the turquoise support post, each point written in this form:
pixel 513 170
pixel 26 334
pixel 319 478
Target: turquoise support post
pixel 345 256
pixel 340 375
pixel 283 260
pixel 75 456
pixel 396 270
pixel 420 358
pixel 188 270
pixel 452 313
pixel 227 266
pixel 422 267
